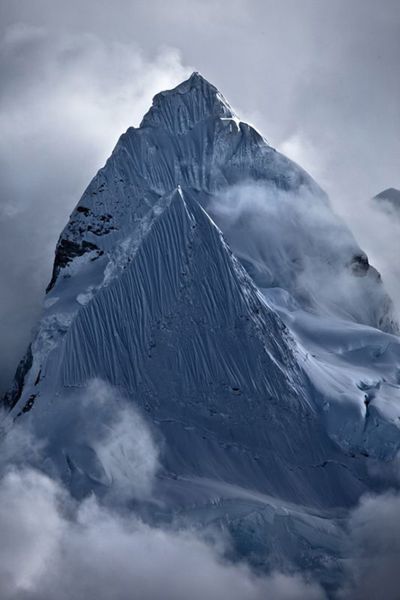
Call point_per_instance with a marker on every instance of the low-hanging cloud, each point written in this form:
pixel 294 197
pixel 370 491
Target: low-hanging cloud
pixel 351 188
pixel 56 546
pixel 374 549
pixel 297 242
pixel 377 228
pixel 105 436
pixel 55 549
pixel 56 131
pixel 92 438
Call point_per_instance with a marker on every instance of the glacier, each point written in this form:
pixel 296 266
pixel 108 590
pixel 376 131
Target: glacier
pixel 205 275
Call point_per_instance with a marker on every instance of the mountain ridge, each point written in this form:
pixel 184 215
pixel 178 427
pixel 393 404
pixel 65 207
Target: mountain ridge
pixel 149 162
pixel 205 275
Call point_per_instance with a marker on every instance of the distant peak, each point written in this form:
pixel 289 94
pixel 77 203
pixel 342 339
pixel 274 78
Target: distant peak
pixel 390 195
pixel 388 192
pixel 196 76
pixel 196 80
pixel 196 83
pixel 190 102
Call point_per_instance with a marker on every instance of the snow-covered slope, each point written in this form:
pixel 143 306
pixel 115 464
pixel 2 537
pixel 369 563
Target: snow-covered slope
pixel 254 352
pixel 275 217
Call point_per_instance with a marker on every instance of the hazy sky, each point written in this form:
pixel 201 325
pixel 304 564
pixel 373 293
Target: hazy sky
pixel 319 78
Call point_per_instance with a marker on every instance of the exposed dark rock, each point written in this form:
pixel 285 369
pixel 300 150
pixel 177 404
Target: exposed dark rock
pixel 66 251
pixel 13 395
pixel 84 210
pixel 28 405
pixel 105 218
pixel 360 265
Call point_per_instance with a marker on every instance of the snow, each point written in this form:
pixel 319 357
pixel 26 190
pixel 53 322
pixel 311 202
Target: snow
pixel 355 369
pixel 205 281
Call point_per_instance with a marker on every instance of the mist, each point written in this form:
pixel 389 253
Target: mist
pixel 377 227
pixel 58 545
pixel 299 244
pixel 374 548
pixel 91 543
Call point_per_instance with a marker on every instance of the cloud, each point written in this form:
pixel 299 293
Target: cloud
pixel 18 444
pixel 92 438
pixel 377 229
pixel 106 437
pixel 56 546
pixel 374 547
pixel 64 101
pixel 299 244
pixel 57 550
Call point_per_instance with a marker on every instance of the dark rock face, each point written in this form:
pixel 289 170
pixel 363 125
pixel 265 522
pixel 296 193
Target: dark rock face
pixel 66 251
pixel 360 267
pixel 13 395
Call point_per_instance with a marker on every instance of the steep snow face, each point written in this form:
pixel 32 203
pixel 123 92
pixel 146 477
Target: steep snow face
pixel 275 217
pixel 354 370
pixel 184 331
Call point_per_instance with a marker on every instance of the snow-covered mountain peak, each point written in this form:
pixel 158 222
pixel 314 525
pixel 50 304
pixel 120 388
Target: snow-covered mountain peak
pixel 273 214
pixel 205 275
pixel 181 108
pixel 390 195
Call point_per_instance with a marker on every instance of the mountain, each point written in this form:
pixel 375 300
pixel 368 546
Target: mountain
pixel 192 138
pixel 205 276
pixel 390 196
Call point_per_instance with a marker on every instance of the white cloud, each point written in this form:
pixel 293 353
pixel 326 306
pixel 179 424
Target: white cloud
pixel 298 243
pixel 120 438
pixel 93 438
pixel 374 548
pixel 55 547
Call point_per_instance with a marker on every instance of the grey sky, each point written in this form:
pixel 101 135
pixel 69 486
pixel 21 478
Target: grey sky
pixel 319 78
